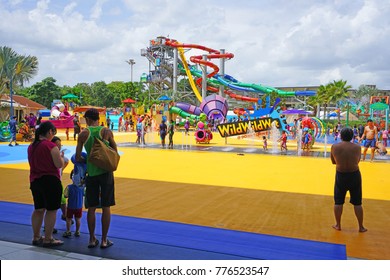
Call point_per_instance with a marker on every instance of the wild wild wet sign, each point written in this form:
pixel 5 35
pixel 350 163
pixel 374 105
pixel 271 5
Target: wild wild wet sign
pixel 243 127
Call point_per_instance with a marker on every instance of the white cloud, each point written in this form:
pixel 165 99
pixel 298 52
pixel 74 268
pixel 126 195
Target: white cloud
pixel 275 43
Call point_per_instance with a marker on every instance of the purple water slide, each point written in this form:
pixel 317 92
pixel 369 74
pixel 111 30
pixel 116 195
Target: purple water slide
pixel 214 104
pixel 192 109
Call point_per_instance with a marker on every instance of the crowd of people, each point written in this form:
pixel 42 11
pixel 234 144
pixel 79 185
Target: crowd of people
pixel 47 162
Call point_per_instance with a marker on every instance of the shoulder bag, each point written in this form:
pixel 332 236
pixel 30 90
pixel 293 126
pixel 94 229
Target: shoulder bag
pixel 103 156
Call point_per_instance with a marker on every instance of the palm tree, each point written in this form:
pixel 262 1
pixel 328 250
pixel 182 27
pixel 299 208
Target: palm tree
pixel 315 101
pixel 339 91
pixel 324 96
pixel 15 70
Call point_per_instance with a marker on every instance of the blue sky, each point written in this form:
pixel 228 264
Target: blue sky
pixel 275 43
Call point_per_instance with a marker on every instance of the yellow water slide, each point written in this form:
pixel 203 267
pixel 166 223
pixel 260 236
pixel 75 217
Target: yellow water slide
pixel 188 72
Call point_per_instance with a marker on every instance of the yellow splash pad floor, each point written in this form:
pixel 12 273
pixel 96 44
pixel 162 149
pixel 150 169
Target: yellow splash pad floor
pixel 275 194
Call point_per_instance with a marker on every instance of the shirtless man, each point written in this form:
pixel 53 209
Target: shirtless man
pixel 346 156
pixel 371 135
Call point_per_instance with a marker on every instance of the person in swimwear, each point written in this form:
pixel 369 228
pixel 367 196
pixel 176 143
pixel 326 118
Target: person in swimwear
pixel 370 134
pixel 346 156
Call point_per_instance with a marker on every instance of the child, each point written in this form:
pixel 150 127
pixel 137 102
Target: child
pixel 67 133
pixel 171 131
pixel 187 126
pixel 380 148
pixel 283 141
pixel 139 131
pixel 163 132
pixel 265 145
pixel 385 133
pixel 57 141
pixel 306 140
pixel 75 192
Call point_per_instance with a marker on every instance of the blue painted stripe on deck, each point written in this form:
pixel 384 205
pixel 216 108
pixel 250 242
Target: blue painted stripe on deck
pixel 207 239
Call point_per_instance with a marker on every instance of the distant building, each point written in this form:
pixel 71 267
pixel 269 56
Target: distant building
pixel 21 105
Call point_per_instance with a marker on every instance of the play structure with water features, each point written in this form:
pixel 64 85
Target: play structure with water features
pixel 214 90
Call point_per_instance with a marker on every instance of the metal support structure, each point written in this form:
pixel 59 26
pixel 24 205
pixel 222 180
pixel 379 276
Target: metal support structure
pixel 222 72
pixel 204 77
pixel 175 62
pixel 11 98
pixel 131 62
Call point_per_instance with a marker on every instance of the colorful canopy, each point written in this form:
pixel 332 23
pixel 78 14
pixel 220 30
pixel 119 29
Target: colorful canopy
pixel 70 96
pixel 128 100
pixel 164 98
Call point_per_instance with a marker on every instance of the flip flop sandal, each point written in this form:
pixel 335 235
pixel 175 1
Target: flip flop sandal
pixel 94 244
pixel 53 243
pixel 109 243
pixel 38 241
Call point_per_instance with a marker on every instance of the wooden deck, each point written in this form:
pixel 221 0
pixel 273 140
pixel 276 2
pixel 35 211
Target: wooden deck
pixel 283 196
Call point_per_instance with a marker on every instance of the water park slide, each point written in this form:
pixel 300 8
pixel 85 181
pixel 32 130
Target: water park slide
pixel 234 84
pixel 198 60
pixel 65 123
pixel 226 80
pixel 182 113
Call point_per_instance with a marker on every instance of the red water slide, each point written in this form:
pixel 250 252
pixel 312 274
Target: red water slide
pixel 213 54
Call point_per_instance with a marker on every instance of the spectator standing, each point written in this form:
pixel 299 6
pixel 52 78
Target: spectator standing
pixel 171 132
pixel 370 135
pixel 162 132
pixel 108 122
pixel 31 120
pixel 13 127
pixel 385 134
pixel 45 159
pixel 76 126
pixel 346 157
pixel 100 186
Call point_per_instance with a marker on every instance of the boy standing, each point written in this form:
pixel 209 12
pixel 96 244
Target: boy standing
pixel 13 129
pixel 74 193
pixel 171 131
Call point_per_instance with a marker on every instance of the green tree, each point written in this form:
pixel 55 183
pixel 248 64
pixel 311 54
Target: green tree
pixel 315 101
pixel 339 92
pixel 120 91
pixel 15 70
pixel 363 95
pixel 45 92
pixel 324 97
pixel 100 95
pixel 332 93
pixel 84 91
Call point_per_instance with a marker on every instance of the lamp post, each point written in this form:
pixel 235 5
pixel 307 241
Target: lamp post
pixel 131 62
pixel 11 99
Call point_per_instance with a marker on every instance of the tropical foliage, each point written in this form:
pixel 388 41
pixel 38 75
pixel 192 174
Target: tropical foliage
pixel 15 69
pixel 330 93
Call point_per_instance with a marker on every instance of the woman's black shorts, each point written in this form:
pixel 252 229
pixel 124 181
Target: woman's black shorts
pixel 46 192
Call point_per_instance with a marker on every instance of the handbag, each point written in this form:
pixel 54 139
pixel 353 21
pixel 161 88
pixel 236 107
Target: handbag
pixel 103 156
